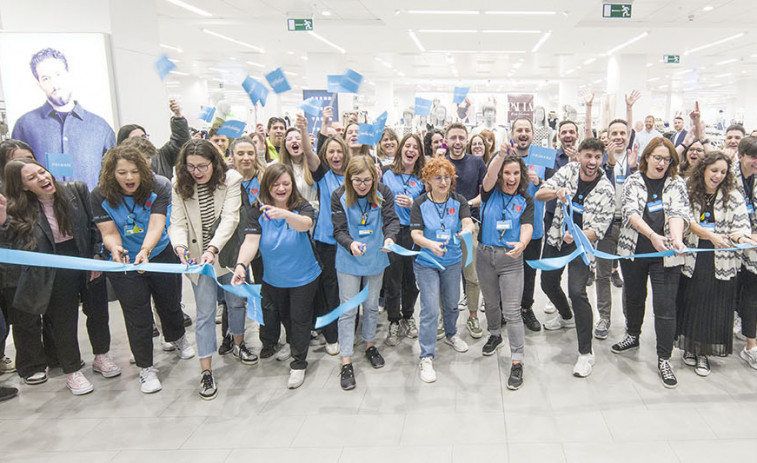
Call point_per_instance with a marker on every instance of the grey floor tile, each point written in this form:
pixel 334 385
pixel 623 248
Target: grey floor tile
pixel 163 456
pixel 350 431
pixel 619 452
pixel 457 428
pixel 420 453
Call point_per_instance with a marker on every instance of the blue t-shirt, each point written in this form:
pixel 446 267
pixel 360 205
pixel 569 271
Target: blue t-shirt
pixel 288 257
pixel 502 216
pixel 327 182
pixel 441 222
pixel 252 188
pixel 131 219
pixel 365 224
pixel 403 184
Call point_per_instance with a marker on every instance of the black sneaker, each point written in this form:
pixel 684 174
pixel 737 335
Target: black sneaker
pixel 155 332
pixel 187 319
pixel 590 280
pixel 227 345
pixel 492 345
pixel 347 377
pixel 373 356
pixel 666 373
pixel 267 351
pixel 616 280
pixel 515 381
pixel 208 390
pixel 529 319
pixel 7 393
pixel 626 344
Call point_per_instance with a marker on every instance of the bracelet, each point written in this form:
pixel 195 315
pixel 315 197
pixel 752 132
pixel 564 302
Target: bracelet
pixel 243 266
pixel 211 251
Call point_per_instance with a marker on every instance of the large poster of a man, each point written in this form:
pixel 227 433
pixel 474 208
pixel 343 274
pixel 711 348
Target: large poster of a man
pixel 71 128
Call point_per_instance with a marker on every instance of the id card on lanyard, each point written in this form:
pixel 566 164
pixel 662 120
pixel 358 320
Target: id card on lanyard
pixel 654 206
pixel 363 228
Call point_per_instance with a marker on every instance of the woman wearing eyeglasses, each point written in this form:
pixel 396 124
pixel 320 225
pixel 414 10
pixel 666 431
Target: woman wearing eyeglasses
pixel 691 155
pixel 437 219
pixel 129 207
pixel 204 214
pixel 362 211
pixel 655 215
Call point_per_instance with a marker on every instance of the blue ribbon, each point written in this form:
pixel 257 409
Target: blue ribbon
pixel 38 259
pixel 584 247
pixel 324 320
pixel 423 255
pixel 468 240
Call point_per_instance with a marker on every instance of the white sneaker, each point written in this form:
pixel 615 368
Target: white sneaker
pixel 132 360
pixel 457 343
pixel 148 380
pixel 78 383
pixel 332 348
pixel 105 365
pixel 183 348
pixel 550 307
pixel 7 365
pixel 462 305
pixel 583 365
pixel 426 366
pixel 749 356
pixel 167 346
pixel 558 323
pixel 219 313
pixel 296 378
pixel 284 354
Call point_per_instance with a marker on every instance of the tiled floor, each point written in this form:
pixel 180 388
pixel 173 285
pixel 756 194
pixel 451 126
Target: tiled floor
pixel 620 413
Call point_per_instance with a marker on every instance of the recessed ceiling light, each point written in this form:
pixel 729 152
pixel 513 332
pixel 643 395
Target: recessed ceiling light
pixel 541 42
pixel 416 41
pixel 170 47
pixel 443 12
pixel 252 63
pixel 191 8
pixel 522 13
pixel 727 61
pixel 712 44
pixel 326 13
pixel 448 31
pixel 233 40
pixel 626 43
pixel 708 8
pixel 328 42
pixel 178 73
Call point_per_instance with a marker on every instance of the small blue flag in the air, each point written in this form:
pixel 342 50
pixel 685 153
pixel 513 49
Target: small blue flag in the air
pixel 232 129
pixel 164 65
pixel 278 81
pixel 207 113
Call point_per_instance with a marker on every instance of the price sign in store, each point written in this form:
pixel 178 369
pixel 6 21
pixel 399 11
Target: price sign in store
pixel 616 10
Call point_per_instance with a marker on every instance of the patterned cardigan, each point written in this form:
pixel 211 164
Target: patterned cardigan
pixel 675 203
pixel 599 205
pixel 731 221
pixel 748 258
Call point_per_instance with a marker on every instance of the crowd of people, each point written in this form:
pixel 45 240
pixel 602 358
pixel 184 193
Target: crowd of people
pixel 316 220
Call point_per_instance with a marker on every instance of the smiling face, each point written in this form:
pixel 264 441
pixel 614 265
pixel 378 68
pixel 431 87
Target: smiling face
pixel 714 175
pixel 127 176
pixel 456 140
pixel 362 182
pixel 281 190
pixel 678 124
pixel 649 123
pixel 441 184
pixel 522 134
pixel 410 153
pixel 38 180
pixel 335 157
pixel 695 153
pixel 568 135
pixel 389 145
pixel 748 165
pixel 732 139
pixel 350 136
pixel 244 156
pixel 199 168
pixel 436 142
pixel 293 143
pixel 477 146
pixel 618 134
pixel 657 162
pixel 590 161
pixel 511 177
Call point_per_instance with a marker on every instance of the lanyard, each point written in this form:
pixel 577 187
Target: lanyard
pixel 364 211
pixel 406 181
pixel 441 211
pixel 130 218
pixel 505 206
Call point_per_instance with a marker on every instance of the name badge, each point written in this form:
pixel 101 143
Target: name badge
pixel 133 230
pixel 443 235
pixel 707 225
pixel 750 208
pixel 620 179
pixel 655 206
pixel 364 230
pixel 504 225
pixel 579 208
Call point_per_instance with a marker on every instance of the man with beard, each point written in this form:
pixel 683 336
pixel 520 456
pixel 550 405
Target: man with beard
pixel 643 137
pixel 61 125
pixel 593 202
pixel 567 134
pixel 471 171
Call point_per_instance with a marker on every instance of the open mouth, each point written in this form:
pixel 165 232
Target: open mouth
pixel 130 185
pixel 511 185
pixel 660 170
pixel 295 147
pixel 47 186
pixel 410 157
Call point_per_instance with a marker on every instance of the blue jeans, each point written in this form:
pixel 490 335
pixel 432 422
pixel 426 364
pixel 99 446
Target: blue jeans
pixel 205 293
pixel 433 285
pixel 349 286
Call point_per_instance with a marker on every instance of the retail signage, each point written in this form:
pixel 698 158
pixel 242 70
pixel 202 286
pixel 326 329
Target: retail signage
pixel 520 106
pixel 616 10
pixel 300 24
pixel 671 59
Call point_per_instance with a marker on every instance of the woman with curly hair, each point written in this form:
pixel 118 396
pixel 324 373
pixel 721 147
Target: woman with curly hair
pixel 706 293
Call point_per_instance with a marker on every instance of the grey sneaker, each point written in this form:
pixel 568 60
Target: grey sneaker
pixel 408 327
pixel 245 355
pixel 393 337
pixel 666 374
pixel 440 330
pixel 749 356
pixel 515 381
pixel 702 367
pixel 602 328
pixel 208 390
pixel 474 328
pixel 463 303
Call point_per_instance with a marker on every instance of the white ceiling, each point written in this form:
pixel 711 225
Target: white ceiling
pixel 375 37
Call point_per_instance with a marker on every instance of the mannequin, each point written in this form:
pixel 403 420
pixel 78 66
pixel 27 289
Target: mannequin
pixel 439 117
pixel 407 122
pixel 490 122
pixel 542 131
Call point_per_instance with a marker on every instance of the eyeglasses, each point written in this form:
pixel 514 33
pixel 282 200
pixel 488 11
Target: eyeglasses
pixel 439 178
pixel 660 159
pixel 202 168
pixel 696 150
pixel 362 181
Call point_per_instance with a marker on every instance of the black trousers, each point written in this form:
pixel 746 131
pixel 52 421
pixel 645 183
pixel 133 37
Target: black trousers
pixel 532 252
pixel 664 290
pixel 328 289
pixel 400 288
pixel 134 291
pixel 295 309
pixel 747 291
pixel 63 315
pixel 94 298
pixel 578 274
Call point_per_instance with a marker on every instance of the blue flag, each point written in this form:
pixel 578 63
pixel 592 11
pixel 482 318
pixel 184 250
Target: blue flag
pixel 257 92
pixel 460 94
pixel 207 113
pixel 365 134
pixel 164 65
pixel 351 81
pixel 540 156
pixel 278 81
pixel 334 83
pixel 232 129
pixel 378 128
pixel 422 106
pixel 312 106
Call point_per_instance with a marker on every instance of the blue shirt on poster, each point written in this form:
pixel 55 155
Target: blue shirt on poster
pixel 80 133
pixel 402 184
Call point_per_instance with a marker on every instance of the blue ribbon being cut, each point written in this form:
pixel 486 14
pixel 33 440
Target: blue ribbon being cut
pixel 324 320
pixel 423 254
pixel 38 259
pixel 584 248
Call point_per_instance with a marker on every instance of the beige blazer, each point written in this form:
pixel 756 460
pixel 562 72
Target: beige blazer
pixel 186 221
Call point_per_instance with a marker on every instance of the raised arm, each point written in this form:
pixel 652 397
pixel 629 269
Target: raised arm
pixel 588 99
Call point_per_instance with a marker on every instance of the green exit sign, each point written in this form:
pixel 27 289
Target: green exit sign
pixel 616 10
pixel 671 59
pixel 300 24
